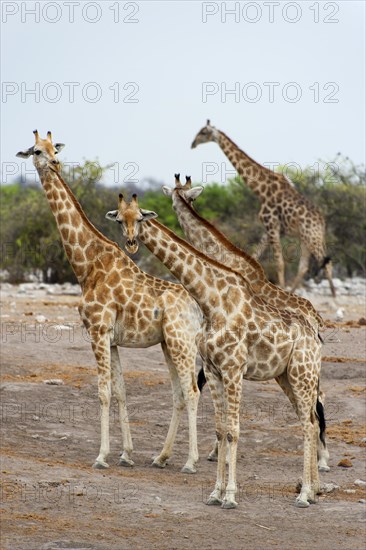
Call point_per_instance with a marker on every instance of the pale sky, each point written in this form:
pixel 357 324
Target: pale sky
pixel 159 78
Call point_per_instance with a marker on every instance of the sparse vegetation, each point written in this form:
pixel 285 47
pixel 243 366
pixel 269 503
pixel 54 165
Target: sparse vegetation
pixel 31 243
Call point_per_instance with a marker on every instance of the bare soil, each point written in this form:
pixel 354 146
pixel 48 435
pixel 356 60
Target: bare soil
pixel 51 497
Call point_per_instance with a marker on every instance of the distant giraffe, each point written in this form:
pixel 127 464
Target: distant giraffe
pixel 283 209
pixel 209 240
pixel 243 337
pixel 123 306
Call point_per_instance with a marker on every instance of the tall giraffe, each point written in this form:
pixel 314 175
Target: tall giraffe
pixel 123 306
pixel 283 209
pixel 242 337
pixel 209 240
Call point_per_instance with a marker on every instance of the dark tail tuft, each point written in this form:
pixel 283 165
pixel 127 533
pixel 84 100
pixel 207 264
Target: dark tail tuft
pixel 321 420
pixel 201 379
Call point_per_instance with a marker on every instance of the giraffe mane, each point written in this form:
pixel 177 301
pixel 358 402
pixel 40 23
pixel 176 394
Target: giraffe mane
pixel 82 213
pixel 221 237
pixel 277 175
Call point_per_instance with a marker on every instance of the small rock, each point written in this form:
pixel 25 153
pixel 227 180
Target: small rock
pixel 339 314
pixel 360 483
pixel 35 436
pixel 328 487
pixel 362 500
pixel 54 382
pixel 362 321
pixel 345 463
pixel 349 491
pixel 41 319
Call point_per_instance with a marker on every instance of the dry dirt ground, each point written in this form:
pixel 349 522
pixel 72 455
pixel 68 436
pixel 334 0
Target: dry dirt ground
pixel 51 497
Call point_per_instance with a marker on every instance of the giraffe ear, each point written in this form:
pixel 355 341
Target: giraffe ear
pixel 59 146
pixel 192 194
pixel 167 191
pixel 112 215
pixel 25 154
pixel 147 215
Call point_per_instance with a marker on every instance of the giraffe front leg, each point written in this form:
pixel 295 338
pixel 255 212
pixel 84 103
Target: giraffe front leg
pixel 101 348
pixel 119 391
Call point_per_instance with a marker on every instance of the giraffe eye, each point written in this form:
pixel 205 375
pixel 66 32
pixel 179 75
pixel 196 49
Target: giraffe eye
pixel 37 152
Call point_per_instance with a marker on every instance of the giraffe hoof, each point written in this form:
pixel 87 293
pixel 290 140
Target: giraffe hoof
pixel 302 503
pixel 212 457
pixel 214 501
pixel 98 465
pixel 158 464
pixel 188 470
pixel 127 462
pixel 323 468
pixel 227 504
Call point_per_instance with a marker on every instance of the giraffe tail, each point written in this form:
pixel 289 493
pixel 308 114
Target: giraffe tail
pixel 201 379
pixel 321 419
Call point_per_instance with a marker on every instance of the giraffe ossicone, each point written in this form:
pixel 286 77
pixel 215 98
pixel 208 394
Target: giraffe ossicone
pixel 123 306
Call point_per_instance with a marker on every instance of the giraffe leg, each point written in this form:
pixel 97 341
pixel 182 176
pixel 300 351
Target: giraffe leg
pixel 217 394
pixel 101 348
pixel 305 396
pixel 185 391
pixel 212 457
pixel 303 267
pixel 261 246
pixel 322 451
pixel 119 391
pixel 274 238
pixel 233 398
pixel 328 269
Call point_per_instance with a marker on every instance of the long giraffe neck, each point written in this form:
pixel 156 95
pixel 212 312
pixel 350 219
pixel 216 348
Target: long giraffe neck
pixel 82 242
pixel 256 176
pixel 209 240
pixel 206 280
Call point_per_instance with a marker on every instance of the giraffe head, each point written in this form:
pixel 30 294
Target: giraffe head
pixel 44 152
pixel 186 191
pixel 130 215
pixel 207 133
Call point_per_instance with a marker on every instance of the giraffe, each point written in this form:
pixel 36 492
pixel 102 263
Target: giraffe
pixel 243 337
pixel 283 209
pixel 123 306
pixel 208 239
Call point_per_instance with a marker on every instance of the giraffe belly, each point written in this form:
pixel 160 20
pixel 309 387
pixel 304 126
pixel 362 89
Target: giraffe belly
pixel 137 334
pixel 261 369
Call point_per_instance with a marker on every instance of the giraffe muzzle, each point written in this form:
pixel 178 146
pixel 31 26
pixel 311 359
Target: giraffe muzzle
pixel 132 246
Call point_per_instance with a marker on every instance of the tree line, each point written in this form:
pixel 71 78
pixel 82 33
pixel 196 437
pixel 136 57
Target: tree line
pixel 31 243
